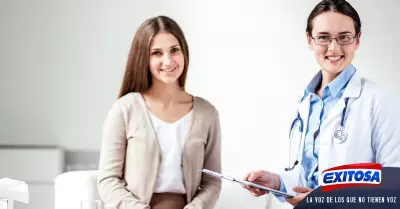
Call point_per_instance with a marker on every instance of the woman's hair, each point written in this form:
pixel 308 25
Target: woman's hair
pixel 137 77
pixel 340 6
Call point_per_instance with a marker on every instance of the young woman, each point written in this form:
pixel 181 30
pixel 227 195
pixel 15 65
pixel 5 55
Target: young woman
pixel 156 135
pixel 342 117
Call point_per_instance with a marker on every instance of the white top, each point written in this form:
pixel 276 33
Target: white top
pixel 171 138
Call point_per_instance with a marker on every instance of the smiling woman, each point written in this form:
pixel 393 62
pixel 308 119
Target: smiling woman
pixel 166 58
pixel 157 135
pixel 333 33
pixel 342 117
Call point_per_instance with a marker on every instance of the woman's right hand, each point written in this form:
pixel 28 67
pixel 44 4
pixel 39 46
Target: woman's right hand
pixel 263 178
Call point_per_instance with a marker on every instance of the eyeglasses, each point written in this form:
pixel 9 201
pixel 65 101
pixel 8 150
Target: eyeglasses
pixel 341 40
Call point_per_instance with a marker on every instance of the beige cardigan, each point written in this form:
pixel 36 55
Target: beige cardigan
pixel 130 156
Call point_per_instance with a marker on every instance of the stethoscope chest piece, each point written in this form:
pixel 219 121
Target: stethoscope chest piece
pixel 340 135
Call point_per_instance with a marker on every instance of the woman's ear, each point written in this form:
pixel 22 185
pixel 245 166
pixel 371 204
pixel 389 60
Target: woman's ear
pixel 309 40
pixel 358 39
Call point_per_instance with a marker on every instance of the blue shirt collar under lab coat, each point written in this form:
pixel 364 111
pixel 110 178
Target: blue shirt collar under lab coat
pixel 334 86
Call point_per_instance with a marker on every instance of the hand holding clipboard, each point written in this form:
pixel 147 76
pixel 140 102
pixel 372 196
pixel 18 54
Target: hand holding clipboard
pixel 245 183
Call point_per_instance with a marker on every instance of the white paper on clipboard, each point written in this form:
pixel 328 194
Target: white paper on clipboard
pixel 222 176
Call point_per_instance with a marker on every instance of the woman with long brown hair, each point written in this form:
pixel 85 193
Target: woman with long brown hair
pixel 156 135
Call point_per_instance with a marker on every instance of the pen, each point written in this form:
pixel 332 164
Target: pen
pixel 226 177
pixel 217 174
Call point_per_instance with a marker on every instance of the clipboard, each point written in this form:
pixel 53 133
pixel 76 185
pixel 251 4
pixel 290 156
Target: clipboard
pixel 247 183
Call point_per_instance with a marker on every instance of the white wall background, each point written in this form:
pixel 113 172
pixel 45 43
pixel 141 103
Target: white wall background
pixel 62 63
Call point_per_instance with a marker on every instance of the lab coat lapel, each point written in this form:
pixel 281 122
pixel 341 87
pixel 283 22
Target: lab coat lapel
pixel 354 87
pixel 352 90
pixel 336 110
pixel 304 110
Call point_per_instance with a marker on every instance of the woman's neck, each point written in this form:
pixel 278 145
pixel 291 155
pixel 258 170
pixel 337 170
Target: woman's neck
pixel 165 94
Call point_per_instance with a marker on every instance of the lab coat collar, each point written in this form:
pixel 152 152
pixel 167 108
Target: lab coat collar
pixel 354 87
pixel 353 90
pixel 303 109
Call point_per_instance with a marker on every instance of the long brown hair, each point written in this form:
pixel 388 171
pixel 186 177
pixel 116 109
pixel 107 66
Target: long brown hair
pixel 137 77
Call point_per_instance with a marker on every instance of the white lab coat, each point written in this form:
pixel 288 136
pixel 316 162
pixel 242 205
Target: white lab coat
pixel 373 126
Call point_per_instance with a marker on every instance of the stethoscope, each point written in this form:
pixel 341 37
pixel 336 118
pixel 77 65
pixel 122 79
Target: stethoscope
pixel 340 135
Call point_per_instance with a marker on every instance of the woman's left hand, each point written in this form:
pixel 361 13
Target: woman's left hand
pixel 304 191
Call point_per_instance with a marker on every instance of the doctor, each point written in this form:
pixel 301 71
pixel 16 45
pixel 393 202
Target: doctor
pixel 342 117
